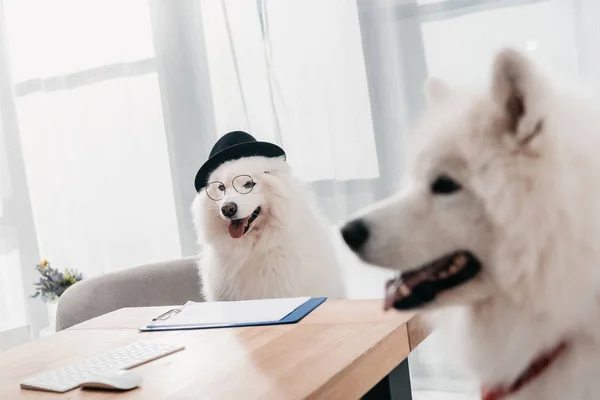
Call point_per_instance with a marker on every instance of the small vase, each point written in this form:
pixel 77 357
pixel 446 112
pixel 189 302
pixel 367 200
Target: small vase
pixel 52 306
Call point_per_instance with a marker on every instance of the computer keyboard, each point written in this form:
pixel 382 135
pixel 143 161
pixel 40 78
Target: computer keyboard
pixel 71 376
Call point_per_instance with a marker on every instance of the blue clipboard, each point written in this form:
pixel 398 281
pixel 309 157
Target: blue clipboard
pixel 300 312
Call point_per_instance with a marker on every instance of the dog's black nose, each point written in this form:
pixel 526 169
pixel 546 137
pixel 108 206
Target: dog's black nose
pixel 229 209
pixel 355 233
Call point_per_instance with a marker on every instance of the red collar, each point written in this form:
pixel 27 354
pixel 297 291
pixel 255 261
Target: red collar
pixel 536 368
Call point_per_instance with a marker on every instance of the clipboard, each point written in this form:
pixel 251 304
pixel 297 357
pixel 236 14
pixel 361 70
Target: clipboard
pixel 293 317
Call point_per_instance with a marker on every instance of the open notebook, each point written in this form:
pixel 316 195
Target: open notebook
pixel 223 314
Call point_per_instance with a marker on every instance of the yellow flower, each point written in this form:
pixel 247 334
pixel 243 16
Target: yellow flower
pixel 44 263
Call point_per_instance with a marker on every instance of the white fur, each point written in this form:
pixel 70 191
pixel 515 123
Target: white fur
pixel 287 253
pixel 529 209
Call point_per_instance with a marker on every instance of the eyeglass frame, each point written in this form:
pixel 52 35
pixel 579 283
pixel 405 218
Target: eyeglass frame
pixel 232 184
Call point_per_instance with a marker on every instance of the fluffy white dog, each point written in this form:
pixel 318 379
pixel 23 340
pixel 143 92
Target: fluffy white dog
pixel 262 236
pixel 500 219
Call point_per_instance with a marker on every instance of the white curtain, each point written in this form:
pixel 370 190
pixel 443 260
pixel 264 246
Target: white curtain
pixel 270 60
pixel 108 108
pixel 92 132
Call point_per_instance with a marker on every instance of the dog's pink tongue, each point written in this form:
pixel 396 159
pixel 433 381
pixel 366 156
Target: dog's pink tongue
pixel 236 228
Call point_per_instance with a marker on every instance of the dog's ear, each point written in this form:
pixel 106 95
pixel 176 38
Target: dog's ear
pixel 517 87
pixel 436 90
pixel 276 166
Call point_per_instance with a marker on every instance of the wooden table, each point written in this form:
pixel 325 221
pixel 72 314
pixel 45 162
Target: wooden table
pixel 344 349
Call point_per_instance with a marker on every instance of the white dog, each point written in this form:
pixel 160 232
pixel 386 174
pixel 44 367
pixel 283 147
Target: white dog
pixel 500 219
pixel 273 245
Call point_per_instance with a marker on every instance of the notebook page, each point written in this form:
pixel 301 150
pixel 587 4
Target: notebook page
pixel 233 312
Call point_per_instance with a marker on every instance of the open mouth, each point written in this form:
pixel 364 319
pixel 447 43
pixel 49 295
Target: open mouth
pixel 238 227
pixel 420 286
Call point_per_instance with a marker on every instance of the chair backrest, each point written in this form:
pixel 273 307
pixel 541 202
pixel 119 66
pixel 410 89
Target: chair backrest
pixel 159 284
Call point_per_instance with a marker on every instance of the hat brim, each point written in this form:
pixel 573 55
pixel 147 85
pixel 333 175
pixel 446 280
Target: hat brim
pixel 248 149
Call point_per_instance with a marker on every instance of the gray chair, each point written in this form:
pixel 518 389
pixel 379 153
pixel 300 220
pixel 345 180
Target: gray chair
pixel 160 284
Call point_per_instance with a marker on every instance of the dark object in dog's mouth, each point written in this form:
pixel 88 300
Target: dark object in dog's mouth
pixel 420 286
pixel 238 227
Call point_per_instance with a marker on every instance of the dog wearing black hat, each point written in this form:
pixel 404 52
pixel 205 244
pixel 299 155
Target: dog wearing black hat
pixel 259 229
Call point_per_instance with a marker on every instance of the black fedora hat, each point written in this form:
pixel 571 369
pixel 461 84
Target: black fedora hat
pixel 232 146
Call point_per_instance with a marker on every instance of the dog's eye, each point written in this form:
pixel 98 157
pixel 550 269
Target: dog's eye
pixel 249 185
pixel 443 184
pixel 222 187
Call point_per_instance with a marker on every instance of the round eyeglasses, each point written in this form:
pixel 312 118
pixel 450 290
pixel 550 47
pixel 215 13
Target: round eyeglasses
pixel 242 184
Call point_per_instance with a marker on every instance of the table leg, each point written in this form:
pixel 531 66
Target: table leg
pixel 395 386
